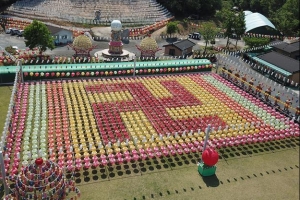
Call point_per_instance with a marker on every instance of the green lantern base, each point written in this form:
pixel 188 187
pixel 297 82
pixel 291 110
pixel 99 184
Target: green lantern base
pixel 205 170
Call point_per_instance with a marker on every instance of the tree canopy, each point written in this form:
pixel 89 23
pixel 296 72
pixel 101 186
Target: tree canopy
pixel 208 32
pixel 185 8
pixel 287 18
pixel 256 42
pixel 232 23
pixel 38 35
pixel 172 28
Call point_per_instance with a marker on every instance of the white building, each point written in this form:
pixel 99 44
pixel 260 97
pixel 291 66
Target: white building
pixel 62 36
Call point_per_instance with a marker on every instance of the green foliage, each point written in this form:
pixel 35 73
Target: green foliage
pixel 184 8
pixel 287 18
pixel 172 28
pixel 239 25
pixel 264 7
pixel 256 42
pixel 231 22
pixel 185 23
pixel 38 35
pixel 208 32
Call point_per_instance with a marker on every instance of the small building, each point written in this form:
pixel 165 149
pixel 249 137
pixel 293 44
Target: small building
pixel 288 49
pixel 279 66
pixel 180 48
pixel 62 36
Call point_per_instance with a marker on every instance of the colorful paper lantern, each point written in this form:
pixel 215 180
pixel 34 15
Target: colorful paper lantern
pixel 39 161
pixel 210 157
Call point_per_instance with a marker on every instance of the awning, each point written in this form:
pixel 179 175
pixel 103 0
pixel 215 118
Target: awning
pixel 279 70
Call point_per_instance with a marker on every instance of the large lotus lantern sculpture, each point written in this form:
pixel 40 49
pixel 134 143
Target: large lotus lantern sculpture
pixel 43 179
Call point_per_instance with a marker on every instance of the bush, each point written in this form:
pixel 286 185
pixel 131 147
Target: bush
pixel 10 50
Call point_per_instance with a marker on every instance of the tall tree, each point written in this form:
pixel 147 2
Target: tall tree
pixel 233 23
pixel 172 28
pixel 227 18
pixel 208 32
pixel 38 35
pixel 239 26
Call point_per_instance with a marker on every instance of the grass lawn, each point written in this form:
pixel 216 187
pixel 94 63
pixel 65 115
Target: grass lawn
pixel 260 171
pixel 5 92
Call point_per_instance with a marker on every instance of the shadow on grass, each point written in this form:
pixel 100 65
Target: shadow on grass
pixel 211 181
pixel 155 165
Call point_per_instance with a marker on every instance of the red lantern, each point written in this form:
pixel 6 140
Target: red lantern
pixel 63 74
pixel 36 74
pixel 210 157
pixel 39 161
pixel 97 73
pixel 87 73
pixel 25 74
pixel 52 74
pixel 72 74
pixel 47 74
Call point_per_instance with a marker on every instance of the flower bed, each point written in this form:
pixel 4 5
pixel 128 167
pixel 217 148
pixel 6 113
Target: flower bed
pixel 107 121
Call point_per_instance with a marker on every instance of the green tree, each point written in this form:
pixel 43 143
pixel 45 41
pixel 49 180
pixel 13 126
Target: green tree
pixel 184 8
pixel 239 26
pixel 208 32
pixel 256 42
pixel 38 35
pixel 233 23
pixel 227 18
pixel 172 28
pixel 286 18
